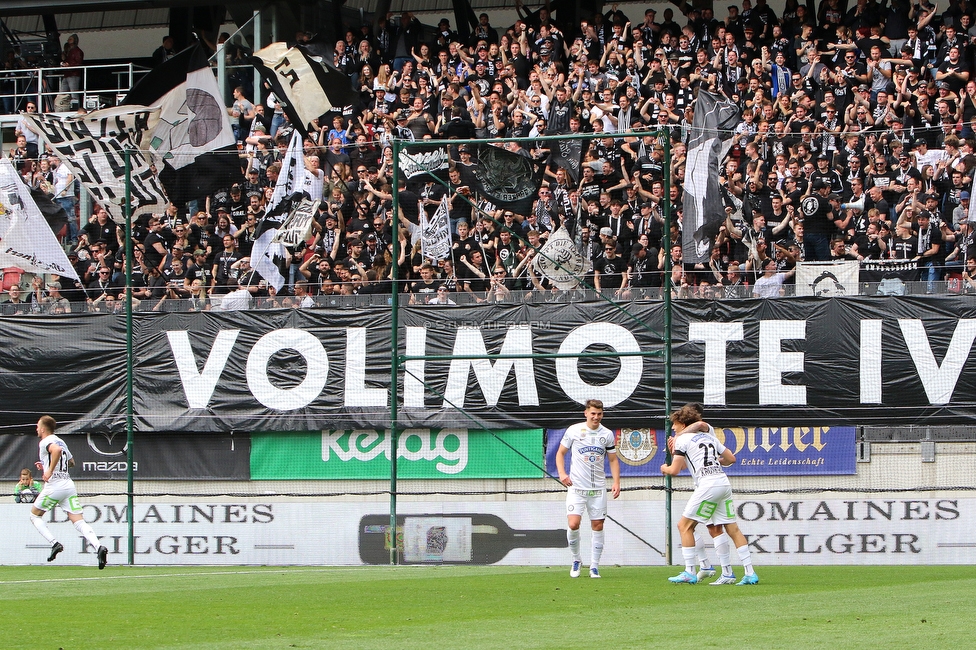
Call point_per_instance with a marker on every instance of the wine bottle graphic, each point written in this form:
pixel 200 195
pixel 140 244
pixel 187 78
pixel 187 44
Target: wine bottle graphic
pixel 448 539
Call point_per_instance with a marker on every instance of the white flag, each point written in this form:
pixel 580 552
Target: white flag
pixel 827 278
pixel 559 261
pixel 26 241
pixel 435 233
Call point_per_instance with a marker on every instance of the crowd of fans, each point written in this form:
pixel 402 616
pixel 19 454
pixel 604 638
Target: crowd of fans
pixel 856 143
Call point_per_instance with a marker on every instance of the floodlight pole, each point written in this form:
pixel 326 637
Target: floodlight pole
pixel 394 354
pixel 129 434
pixel 666 243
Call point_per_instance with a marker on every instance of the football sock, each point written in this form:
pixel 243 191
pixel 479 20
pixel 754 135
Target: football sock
pixel 700 551
pixel 86 531
pixel 42 529
pixel 574 543
pixel 724 551
pixel 746 558
pixel 597 548
pixel 691 558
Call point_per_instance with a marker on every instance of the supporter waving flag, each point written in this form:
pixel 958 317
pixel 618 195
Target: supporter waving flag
pixel 268 257
pixel 711 138
pixel 308 84
pixel 192 144
pixel 435 233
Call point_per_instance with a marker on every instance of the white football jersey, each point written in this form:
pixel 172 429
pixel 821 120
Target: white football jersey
pixel 701 452
pixel 589 448
pixel 61 470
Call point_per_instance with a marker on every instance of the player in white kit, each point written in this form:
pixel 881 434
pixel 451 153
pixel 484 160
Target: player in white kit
pixel 590 443
pixel 696 446
pixel 59 491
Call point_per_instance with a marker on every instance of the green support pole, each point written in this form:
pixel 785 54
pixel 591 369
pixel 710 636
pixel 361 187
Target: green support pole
pixel 394 355
pixel 129 434
pixel 666 243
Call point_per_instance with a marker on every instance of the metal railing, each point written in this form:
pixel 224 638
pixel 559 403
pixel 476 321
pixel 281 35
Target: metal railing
pixel 42 85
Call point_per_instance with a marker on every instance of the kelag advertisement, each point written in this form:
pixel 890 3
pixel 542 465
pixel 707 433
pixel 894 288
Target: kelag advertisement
pixel 421 454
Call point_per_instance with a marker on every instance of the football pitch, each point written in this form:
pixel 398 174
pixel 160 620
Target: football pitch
pixel 481 607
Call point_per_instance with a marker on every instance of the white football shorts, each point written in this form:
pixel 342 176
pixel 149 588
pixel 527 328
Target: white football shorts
pixel 711 504
pixel 594 502
pixel 61 494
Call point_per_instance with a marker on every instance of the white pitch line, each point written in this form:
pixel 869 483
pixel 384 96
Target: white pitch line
pixel 161 575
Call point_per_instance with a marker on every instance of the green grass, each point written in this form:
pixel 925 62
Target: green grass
pixel 481 607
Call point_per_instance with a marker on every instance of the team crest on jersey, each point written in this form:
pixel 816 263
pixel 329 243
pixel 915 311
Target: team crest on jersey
pixel 809 206
pixel 636 446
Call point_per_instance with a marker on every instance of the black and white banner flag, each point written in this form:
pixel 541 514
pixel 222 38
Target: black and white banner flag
pixel 827 279
pixel 267 255
pixel 192 144
pixel 566 154
pixel 711 138
pixel 559 261
pixel 93 147
pixel 423 161
pixel 26 241
pixel 435 233
pixel 308 84
pixel 509 180
pixel 298 225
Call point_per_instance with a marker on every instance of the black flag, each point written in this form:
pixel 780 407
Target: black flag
pixel 508 180
pixel 711 137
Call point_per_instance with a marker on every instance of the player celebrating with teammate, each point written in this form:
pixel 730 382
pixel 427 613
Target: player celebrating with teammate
pixel 711 503
pixel 590 443
pixel 59 491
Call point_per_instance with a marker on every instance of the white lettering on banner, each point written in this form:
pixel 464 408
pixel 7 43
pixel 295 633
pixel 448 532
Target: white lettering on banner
pixel 414 371
pixel 870 362
pixel 938 381
pixel 716 337
pixel 773 362
pixel 491 376
pixel 357 393
pixel 366 444
pixel 198 387
pixel 617 338
pixel 316 369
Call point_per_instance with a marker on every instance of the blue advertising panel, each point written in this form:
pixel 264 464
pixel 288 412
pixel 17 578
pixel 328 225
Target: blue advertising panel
pixel 759 451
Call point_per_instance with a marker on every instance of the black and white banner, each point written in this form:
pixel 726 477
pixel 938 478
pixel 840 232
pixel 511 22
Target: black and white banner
pixel 435 232
pixel 711 137
pixel 559 261
pixel 94 149
pixel 310 86
pixel 423 161
pixel 268 255
pixel 827 278
pixel 855 361
pixel 298 225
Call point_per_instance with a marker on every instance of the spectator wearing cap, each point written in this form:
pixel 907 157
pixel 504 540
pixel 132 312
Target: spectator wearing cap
pixel 54 302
